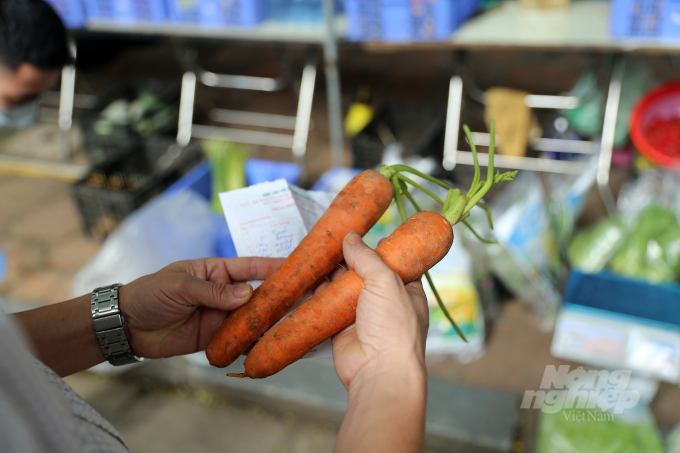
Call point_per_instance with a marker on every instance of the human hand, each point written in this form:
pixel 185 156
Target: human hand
pixel 178 309
pixel 391 323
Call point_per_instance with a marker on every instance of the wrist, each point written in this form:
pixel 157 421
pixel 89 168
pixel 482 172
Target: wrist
pixel 403 372
pixel 385 407
pixel 124 297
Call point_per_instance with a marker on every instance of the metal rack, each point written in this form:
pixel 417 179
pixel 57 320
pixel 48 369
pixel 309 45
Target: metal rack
pixel 583 26
pixel 452 156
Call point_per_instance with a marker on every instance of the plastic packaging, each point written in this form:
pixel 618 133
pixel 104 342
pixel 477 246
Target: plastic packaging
pixel 165 230
pixel 592 249
pixel 631 259
pixel 579 429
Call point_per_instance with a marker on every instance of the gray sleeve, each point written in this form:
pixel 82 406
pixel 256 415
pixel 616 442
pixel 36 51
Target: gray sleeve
pixel 39 412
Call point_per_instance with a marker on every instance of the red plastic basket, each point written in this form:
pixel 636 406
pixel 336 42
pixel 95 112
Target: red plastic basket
pixel 662 102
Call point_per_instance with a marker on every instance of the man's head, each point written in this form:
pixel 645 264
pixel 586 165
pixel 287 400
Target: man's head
pixel 33 49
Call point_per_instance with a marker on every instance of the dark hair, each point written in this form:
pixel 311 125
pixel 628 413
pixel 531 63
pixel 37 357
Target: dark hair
pixel 31 32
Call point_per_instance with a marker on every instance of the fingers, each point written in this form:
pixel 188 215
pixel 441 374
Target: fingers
pixel 417 294
pixel 227 270
pixel 251 268
pixel 364 260
pixel 320 286
pixel 339 271
pixel 220 296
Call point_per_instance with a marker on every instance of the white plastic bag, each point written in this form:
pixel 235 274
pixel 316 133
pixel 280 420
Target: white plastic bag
pixel 165 230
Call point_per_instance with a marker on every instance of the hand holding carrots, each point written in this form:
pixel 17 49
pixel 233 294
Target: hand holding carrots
pixel 391 318
pixel 178 309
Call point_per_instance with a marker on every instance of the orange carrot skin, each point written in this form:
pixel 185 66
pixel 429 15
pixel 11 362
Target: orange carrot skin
pixel 357 207
pixel 411 250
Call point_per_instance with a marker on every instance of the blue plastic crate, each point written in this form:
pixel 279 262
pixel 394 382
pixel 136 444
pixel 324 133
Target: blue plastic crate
pixel 126 11
pixel 216 13
pixel 71 12
pixel 257 171
pixel 406 20
pixel 621 296
pixel 298 11
pixel 659 19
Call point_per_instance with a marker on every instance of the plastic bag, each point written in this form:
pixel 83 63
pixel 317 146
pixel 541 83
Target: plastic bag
pixel 651 187
pixel 592 249
pixel 165 230
pixel 594 431
pixel 633 258
pixel 579 427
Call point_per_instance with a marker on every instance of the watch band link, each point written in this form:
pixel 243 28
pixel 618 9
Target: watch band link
pixel 108 322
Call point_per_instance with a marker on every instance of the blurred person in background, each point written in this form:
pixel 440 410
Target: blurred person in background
pixel 33 50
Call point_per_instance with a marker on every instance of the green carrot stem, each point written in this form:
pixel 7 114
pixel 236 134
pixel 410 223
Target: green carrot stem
pixel 484 241
pixel 454 213
pixel 440 302
pixel 397 198
pixel 453 194
pixel 432 179
pixel 490 178
pixel 443 308
pixel 404 190
pixel 418 186
pixel 475 180
pixel 488 213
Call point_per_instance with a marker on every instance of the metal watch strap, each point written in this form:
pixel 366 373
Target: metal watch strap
pixel 107 322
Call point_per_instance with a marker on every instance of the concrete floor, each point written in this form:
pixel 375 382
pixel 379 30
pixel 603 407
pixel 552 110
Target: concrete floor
pixel 156 419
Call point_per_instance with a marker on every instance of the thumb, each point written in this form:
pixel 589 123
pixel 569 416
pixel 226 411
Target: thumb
pixel 363 259
pixel 219 296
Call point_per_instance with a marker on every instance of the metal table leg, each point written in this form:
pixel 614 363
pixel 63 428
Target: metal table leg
pixel 186 108
pixel 66 98
pixel 608 131
pixel 304 114
pixel 452 123
pixel 333 86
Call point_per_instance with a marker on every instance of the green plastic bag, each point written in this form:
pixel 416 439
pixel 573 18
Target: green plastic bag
pixel 662 259
pixel 594 431
pixel 590 250
pixel 632 259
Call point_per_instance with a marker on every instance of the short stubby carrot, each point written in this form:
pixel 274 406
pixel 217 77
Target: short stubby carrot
pixel 357 207
pixel 411 250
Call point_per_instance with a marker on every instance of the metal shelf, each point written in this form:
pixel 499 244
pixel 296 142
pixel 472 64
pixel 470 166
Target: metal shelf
pixel 525 163
pixel 266 31
pixel 584 25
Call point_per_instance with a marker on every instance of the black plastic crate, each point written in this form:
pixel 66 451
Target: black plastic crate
pixel 419 127
pixel 121 139
pixel 112 191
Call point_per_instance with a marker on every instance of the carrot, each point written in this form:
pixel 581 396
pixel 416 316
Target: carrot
pixel 357 207
pixel 415 246
pixel 411 250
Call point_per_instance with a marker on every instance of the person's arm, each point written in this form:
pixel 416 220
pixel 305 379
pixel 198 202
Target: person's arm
pixel 386 409
pixel 62 335
pixel 381 359
pixel 175 311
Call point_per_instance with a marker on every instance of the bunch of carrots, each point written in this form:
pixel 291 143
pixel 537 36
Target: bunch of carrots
pixel 419 243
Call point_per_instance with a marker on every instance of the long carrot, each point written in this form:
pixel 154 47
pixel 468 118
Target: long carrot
pixel 357 207
pixel 411 250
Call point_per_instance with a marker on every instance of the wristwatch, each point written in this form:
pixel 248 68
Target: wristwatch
pixel 107 322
